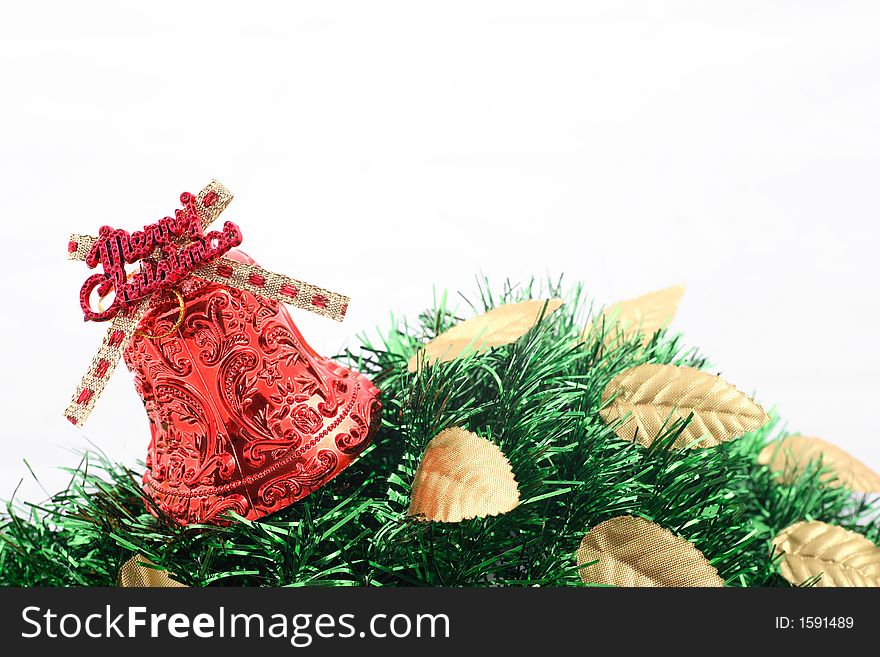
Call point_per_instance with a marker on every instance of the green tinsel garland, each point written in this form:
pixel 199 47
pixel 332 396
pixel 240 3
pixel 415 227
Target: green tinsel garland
pixel 537 399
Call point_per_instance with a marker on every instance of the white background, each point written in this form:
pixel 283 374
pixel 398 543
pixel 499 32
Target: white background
pixel 381 148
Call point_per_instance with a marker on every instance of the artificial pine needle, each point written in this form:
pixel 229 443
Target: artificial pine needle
pixel 537 399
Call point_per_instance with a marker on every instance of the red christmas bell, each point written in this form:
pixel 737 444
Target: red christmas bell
pixel 244 414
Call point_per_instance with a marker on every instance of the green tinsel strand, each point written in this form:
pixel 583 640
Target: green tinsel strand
pixel 538 399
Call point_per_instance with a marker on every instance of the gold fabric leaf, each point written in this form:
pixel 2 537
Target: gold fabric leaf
pixel 631 551
pixel 462 476
pixel 646 315
pixel 135 575
pixel 646 395
pixel 841 557
pixel 499 326
pixel 788 458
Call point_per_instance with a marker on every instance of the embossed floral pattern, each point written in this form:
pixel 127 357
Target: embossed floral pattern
pixel 244 415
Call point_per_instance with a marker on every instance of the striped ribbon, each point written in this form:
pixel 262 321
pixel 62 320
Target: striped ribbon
pixel 210 202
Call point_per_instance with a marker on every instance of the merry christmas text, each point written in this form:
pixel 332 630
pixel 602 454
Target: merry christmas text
pixel 168 251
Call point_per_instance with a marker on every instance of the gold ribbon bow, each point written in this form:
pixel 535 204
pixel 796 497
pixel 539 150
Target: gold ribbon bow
pixel 210 202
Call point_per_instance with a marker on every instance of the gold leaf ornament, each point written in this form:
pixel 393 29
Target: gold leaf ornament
pixel 643 315
pixel 462 476
pixel 502 325
pixel 790 457
pixel 134 574
pixel 840 556
pixel 630 551
pixel 650 396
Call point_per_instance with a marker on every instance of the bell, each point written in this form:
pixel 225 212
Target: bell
pixel 244 415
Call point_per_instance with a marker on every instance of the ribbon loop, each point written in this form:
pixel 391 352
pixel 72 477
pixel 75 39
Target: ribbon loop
pixel 122 328
pixel 208 205
pixel 267 284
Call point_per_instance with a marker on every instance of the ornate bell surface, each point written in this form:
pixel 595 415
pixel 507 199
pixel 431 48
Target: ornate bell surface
pixel 244 415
